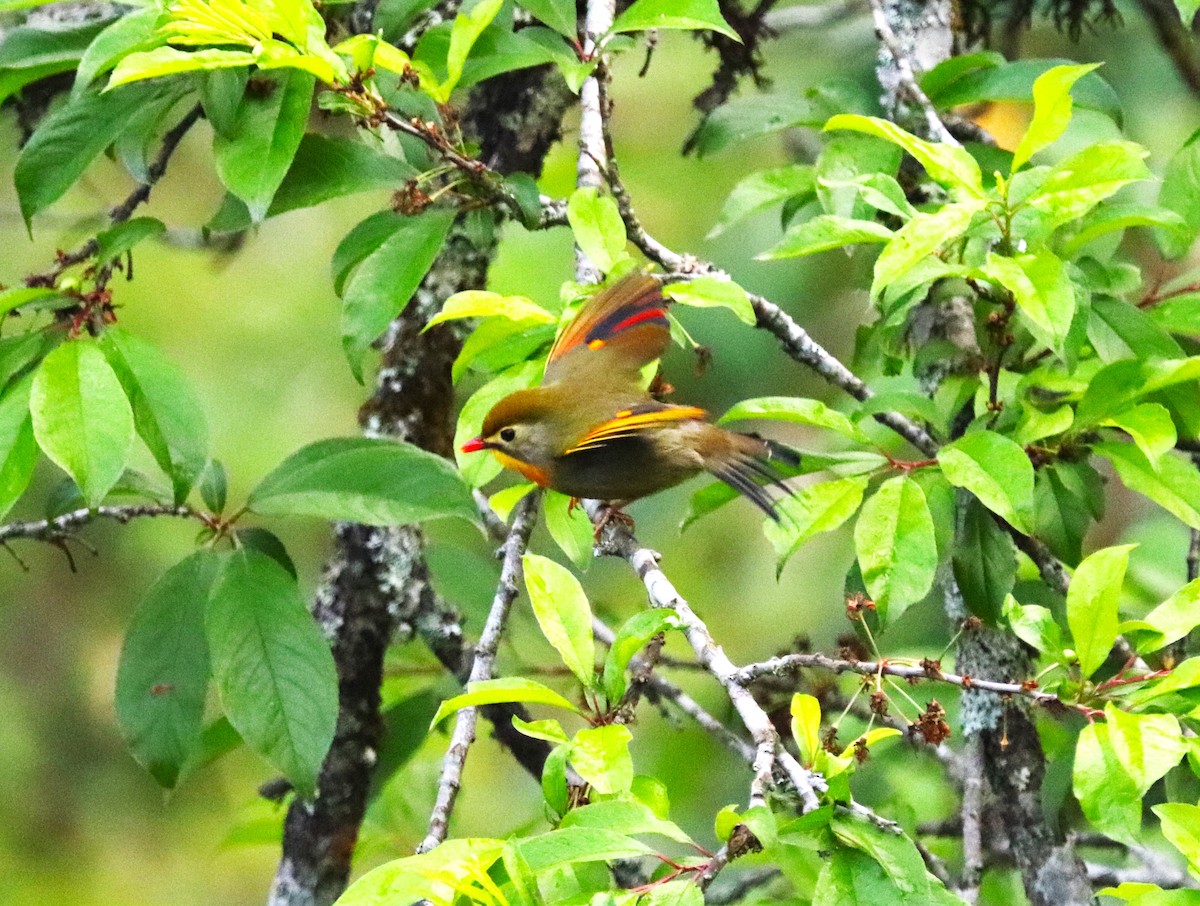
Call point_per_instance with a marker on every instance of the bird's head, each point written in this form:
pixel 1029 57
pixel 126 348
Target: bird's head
pixel 520 432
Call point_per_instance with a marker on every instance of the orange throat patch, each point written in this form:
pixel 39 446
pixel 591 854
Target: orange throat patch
pixel 532 472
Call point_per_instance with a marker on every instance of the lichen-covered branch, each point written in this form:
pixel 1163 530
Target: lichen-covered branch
pixel 376 583
pixel 926 670
pixel 769 751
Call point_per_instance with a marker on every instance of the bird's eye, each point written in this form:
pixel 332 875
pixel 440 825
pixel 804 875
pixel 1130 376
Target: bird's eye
pixel 507 434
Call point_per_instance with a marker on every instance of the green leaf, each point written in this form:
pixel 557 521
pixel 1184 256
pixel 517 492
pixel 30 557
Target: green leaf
pixel 18 449
pixel 438 876
pixel 1117 385
pixel 713 292
pixel 760 114
pixel 69 138
pixel 796 410
pixel 29 54
pixel 167 413
pixel 823 233
pixel 1150 426
pixel 368 480
pixel 1181 826
pixel 1170 621
pixel 273 668
pixel 166 61
pixel 1173 482
pixel 162 678
pixel 267 542
pixel 554 781
pixel 974 78
pixel 813 509
pixel 806 727
pixel 563 614
pixel 214 487
pixel 949 165
pixel 506 689
pixel 468 26
pixel 1063 501
pixel 386 277
pixel 1033 625
pixel 499 343
pixel 1076 185
pixel 1107 794
pixel 253 157
pixel 1180 193
pixel 1042 289
pixel 627 817
pixel 1119 330
pixel 1113 217
pixel 475 303
pixel 81 417
pixel 600 755
pixel 558 14
pixel 996 471
pixel 881 867
pixel 696 15
pixel 549 730
pixel 118 240
pixel 1092 605
pixel 896 549
pixel 923 235
pixel 1116 763
pixel 133 31
pixel 985 564
pixel 598 228
pixel 1180 315
pixel 629 640
pixel 1051 110
pixel 569 527
pixel 763 189
pixel 573 845
pixel 323 168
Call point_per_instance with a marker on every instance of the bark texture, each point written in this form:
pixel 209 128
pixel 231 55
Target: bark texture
pixel 376 583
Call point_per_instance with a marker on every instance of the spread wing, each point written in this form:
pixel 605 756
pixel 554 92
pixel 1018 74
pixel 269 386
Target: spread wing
pixel 628 422
pixel 620 329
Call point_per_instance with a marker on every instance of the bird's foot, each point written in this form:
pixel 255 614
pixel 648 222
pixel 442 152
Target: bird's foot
pixel 612 514
pixel 573 504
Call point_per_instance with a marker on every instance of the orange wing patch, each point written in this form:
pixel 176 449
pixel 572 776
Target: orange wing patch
pixel 629 422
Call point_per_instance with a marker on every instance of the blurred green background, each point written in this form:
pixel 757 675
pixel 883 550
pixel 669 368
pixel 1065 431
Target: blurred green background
pixel 256 331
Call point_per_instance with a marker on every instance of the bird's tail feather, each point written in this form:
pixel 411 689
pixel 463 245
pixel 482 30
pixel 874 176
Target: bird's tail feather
pixel 756 468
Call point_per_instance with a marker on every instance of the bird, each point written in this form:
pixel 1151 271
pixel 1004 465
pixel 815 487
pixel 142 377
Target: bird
pixel 593 430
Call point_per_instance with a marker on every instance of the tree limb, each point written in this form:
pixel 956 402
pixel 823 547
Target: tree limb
pixel 524 519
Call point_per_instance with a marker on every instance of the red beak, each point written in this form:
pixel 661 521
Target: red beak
pixel 474 446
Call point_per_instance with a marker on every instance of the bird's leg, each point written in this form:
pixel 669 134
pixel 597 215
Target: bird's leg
pixel 573 503
pixel 612 514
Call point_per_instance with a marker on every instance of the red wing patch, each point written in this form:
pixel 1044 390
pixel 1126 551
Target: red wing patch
pixel 635 300
pixel 629 422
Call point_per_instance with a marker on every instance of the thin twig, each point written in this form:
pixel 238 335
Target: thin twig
pixel 524 520
pixel 592 118
pixel 908 79
pixel 125 209
pixel 789 663
pixel 54 530
pixel 668 691
pixel 972 821
pixel 619 542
